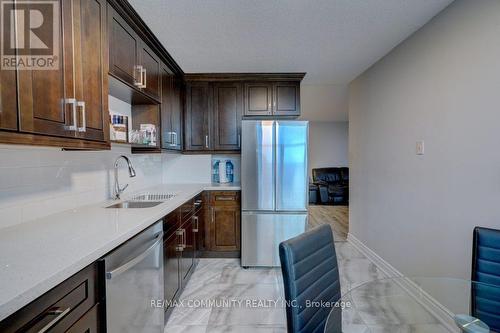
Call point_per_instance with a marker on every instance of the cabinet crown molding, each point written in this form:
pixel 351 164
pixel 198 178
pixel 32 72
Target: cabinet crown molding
pixel 244 76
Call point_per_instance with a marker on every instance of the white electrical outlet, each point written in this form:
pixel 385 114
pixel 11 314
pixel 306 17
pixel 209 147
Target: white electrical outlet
pixel 420 147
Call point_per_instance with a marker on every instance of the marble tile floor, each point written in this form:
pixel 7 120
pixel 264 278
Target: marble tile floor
pixel 251 290
pixel 217 279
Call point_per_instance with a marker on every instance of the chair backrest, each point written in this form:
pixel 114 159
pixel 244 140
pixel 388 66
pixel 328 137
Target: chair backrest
pixel 310 273
pixel 485 301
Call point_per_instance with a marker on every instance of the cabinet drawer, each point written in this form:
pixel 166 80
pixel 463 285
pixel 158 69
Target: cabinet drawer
pixel 225 198
pixel 58 309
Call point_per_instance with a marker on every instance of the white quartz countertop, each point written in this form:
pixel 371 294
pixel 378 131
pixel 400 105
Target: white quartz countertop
pixel 38 255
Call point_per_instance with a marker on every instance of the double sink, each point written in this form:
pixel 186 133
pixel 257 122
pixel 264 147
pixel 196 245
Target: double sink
pixel 146 200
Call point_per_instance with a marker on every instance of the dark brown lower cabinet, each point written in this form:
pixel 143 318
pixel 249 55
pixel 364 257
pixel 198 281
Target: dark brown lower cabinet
pixel 182 229
pixel 89 323
pixel 171 267
pixel 69 307
pixel 225 222
pixel 187 258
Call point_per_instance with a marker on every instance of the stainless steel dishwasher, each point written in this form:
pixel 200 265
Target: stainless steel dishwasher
pixel 134 277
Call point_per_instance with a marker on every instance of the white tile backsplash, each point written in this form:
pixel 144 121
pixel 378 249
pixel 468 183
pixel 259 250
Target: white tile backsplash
pixel 183 169
pixel 36 182
pixel 39 181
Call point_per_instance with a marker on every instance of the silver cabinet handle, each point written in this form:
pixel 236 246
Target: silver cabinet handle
pixel 72 101
pixel 206 141
pixel 81 104
pixel 173 139
pixel 239 140
pixel 195 220
pixel 226 198
pixel 143 77
pixel 180 246
pixel 274 105
pixel 125 267
pixel 60 315
pixel 138 69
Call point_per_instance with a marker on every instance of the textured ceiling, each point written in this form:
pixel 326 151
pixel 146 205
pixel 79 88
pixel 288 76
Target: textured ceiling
pixel 332 40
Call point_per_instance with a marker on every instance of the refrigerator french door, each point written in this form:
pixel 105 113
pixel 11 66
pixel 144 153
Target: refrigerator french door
pixel 274 187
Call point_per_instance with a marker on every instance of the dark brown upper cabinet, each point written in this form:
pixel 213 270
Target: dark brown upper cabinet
pixel 70 101
pixel 176 115
pixel 8 100
pixel 197 117
pixel 124 48
pixel 227 110
pixel 258 99
pixel 131 60
pixel 272 99
pixel 149 65
pixel 286 99
pixel 47 103
pixel 91 88
pixel 171 111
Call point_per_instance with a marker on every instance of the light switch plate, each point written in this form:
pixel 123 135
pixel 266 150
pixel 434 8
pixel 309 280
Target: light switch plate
pixel 420 147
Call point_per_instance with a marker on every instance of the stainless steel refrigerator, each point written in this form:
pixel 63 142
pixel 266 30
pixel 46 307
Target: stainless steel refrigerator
pixel 274 187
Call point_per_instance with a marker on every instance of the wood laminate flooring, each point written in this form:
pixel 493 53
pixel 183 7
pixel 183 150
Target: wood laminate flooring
pixel 336 216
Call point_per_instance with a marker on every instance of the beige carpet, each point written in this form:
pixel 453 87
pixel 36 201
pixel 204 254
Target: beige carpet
pixel 336 216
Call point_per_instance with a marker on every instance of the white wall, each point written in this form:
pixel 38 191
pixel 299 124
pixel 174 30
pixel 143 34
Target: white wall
pixel 328 142
pixel 324 102
pixel 442 85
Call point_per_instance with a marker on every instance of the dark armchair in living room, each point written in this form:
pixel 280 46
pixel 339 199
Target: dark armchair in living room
pixel 333 185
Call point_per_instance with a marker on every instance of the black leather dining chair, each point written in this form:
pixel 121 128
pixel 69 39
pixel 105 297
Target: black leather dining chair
pixel 310 273
pixel 485 298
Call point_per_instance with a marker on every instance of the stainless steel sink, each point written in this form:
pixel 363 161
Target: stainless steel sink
pixel 135 204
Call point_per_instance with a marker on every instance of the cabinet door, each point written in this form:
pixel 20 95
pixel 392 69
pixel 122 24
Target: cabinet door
pixel 124 47
pixel 225 228
pixel 286 100
pixel 177 108
pixel 151 76
pixel 171 266
pixel 91 68
pixel 45 96
pixel 199 230
pixel 258 99
pixel 167 137
pixel 8 100
pixel 187 259
pixel 89 323
pixel 227 116
pixel 197 117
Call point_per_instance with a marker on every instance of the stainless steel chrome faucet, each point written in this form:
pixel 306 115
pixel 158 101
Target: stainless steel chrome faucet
pixel 131 173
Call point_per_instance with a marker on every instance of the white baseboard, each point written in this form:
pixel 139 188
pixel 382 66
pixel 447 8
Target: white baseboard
pixel 383 265
pixel 439 311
